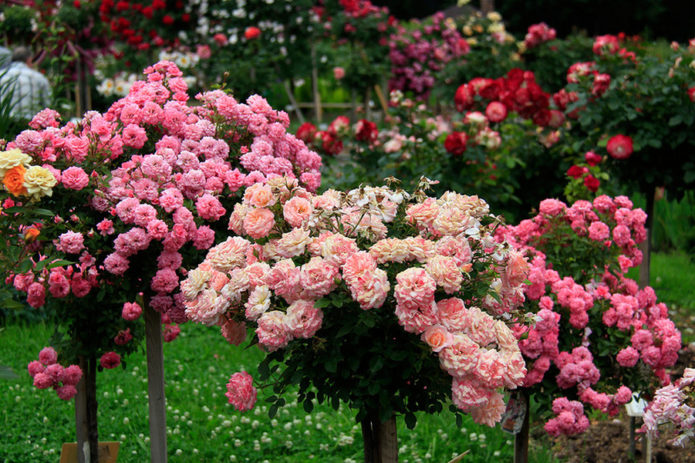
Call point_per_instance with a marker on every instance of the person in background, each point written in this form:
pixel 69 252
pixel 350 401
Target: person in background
pixel 30 90
pixel 5 57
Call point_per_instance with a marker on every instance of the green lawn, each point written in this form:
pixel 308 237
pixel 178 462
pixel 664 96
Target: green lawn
pixel 201 425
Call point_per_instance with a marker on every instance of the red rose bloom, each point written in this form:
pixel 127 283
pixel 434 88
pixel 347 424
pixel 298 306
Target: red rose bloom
pixel 463 98
pixel 691 94
pixel 591 183
pixel 455 143
pixel 168 20
pixel 366 131
pixel 592 158
pixel 619 146
pixel 575 171
pixel 252 32
pixel 110 360
pixel 306 132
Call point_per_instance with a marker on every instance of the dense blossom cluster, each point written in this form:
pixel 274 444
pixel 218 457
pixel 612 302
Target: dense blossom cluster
pixel 418 54
pixel 674 404
pixel 150 177
pixel 48 373
pixel 302 247
pixel 581 309
pixel 538 34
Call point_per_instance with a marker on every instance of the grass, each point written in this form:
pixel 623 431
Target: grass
pixel 201 426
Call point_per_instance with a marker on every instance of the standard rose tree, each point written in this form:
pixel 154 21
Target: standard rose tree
pixel 597 336
pixel 388 302
pixel 128 198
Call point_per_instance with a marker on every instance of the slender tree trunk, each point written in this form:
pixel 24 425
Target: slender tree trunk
pixel 318 111
pixel 380 439
pixel 521 438
pixel 86 413
pixel 487 6
pixel 155 386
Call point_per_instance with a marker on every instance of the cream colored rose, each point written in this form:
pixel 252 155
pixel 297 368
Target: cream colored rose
pixel 39 182
pixel 13 158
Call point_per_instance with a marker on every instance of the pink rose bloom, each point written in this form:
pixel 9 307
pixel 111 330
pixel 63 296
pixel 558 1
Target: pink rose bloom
pixel 445 272
pixel 490 413
pixel 623 395
pixel 490 370
pixel 209 208
pixel 233 332
pixel 303 320
pixel 165 280
pixel 259 222
pixel 516 270
pixel 70 242
pixel 66 392
pixel 620 147
pixel 72 375
pixel 110 360
pixel 296 211
pixel 171 199
pixel 551 207
pixel 36 295
pixel 599 231
pixel 131 311
pixel 204 237
pixel 55 371
pixel 317 278
pixel 115 264
pixel 240 391
pixel 143 214
pixel 467 394
pixel 74 178
pixel 437 337
pixel 496 111
pixel 272 331
pixel 35 367
pixel 134 136
pixel 338 73
pixel 43 381
pixel 48 356
pixel 460 357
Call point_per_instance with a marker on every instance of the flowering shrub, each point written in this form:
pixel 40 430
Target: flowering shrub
pixel 673 404
pixel 343 289
pixel 642 104
pixel 136 193
pixel 417 54
pixel 597 335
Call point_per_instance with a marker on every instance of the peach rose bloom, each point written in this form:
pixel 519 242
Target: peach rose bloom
pixel 390 250
pixel 423 214
pixel 296 211
pixel 259 222
pixel 517 269
pixel 437 337
pixel 445 273
pixel 236 219
pixel 452 313
pixel 292 243
pixel 259 195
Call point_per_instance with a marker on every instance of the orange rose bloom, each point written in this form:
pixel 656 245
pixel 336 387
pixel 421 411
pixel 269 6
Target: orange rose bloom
pixel 14 180
pixel 31 234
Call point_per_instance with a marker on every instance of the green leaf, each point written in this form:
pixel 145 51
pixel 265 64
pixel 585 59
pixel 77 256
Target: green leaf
pixel 59 263
pixel 273 410
pixel 308 406
pixel 675 120
pixel 7 373
pixel 410 420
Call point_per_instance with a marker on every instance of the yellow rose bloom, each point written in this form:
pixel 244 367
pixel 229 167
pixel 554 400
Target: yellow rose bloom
pixel 494 16
pixel 39 182
pixel 13 158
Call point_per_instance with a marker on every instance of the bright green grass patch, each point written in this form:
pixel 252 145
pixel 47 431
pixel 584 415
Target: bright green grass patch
pixel 201 426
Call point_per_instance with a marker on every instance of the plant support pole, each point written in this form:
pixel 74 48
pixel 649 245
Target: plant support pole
pixel 86 413
pixel 521 438
pixel 155 386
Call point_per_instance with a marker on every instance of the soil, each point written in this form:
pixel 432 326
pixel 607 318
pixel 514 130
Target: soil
pixel 608 441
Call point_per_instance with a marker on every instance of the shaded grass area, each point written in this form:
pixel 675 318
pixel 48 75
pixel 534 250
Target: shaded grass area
pixel 201 426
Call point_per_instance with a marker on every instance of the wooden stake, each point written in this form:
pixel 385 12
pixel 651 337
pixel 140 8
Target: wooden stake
pixel 382 99
pixel 318 112
pixel 646 245
pixel 86 426
pixel 388 441
pixel 521 439
pixel 155 386
pixel 293 101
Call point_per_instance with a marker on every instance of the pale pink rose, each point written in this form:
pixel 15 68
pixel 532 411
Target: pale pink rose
pixel 337 248
pixel 272 332
pixel 296 211
pixel 259 195
pixel 258 302
pixel 338 73
pixel 390 250
pixel 437 337
pixel 303 320
pixel 236 219
pixel 490 413
pixel 240 391
pixel 419 248
pixel 490 369
pixel 467 394
pixel 293 243
pixel 481 327
pixel 422 215
pixel 370 290
pixel 318 278
pixel 357 265
pixel 415 288
pixel 452 314
pixel 229 254
pixel 516 270
pixel 445 273
pixel 259 222
pixel 283 278
pixel 460 356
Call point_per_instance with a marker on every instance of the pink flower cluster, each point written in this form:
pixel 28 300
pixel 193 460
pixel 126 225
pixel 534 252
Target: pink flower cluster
pixel 417 55
pixel 569 418
pixel 158 174
pixel 569 314
pixel 673 404
pixel 538 34
pixel 47 372
pixel 302 245
pixel 240 391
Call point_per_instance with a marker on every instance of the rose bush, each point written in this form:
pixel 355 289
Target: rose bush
pixel 597 336
pixel 389 302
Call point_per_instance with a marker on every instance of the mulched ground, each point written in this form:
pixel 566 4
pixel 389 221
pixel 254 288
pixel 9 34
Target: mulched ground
pixel 607 441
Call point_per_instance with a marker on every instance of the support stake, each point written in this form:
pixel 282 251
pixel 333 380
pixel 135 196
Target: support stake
pixel 155 386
